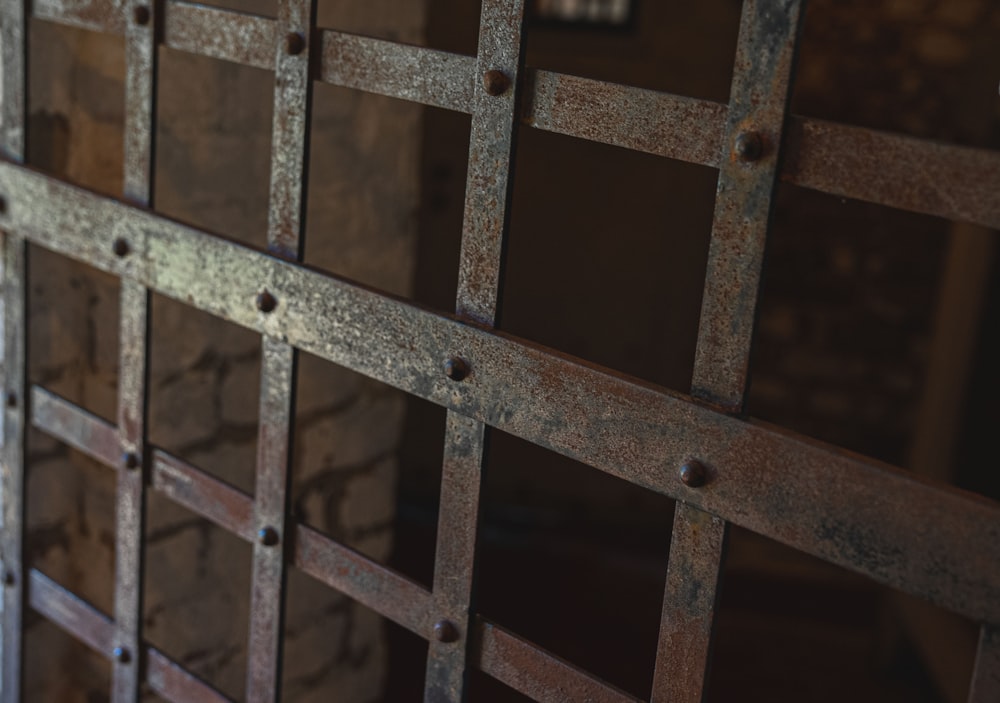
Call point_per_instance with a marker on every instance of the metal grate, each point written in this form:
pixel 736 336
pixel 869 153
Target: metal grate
pixel 930 541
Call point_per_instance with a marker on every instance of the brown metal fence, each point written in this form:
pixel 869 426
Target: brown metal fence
pixel 930 541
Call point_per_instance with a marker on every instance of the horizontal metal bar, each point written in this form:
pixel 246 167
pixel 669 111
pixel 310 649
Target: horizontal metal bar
pixel 401 71
pixel 95 437
pixel 171 681
pixel 71 613
pixel 226 506
pixel 930 541
pixel 945 180
pixel 381 589
pixel 643 120
pixel 94 15
pixel 96 630
pixel 531 670
pixel 221 34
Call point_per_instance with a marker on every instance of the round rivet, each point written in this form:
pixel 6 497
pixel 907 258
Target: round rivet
pixel 120 247
pixel 121 655
pixel 295 43
pixel 131 460
pixel 456 369
pixel 445 631
pixel 749 146
pixel 140 14
pixel 9 579
pixel 11 399
pixel 266 302
pixel 694 474
pixel 495 82
pixel 268 536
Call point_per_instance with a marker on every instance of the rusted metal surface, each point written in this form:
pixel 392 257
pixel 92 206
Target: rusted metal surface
pixel 221 34
pixel 696 550
pixel 852 511
pixel 926 540
pixel 71 613
pixel 495 117
pixel 173 683
pixel 986 677
pixel 945 180
pixel 534 672
pixel 642 120
pixel 140 114
pixel 758 97
pixel 411 73
pixel 375 586
pixel 74 426
pixel 226 506
pixel 286 226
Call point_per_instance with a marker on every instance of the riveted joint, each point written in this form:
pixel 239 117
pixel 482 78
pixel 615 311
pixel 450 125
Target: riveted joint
pixel 749 146
pixel 131 461
pixel 295 43
pixel 121 655
pixel 141 15
pixel 266 302
pixel 121 247
pixel 446 631
pixel 694 474
pixel 268 536
pixel 496 83
pixel 456 368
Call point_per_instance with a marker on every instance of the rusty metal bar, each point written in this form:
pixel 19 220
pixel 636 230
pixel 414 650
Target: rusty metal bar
pixel 375 586
pixel 13 382
pixel 74 426
pixel 852 511
pixel 413 73
pixel 96 630
pixel 752 139
pixel 93 15
pixel 642 120
pixel 141 21
pixel 530 670
pixel 226 506
pixel 71 613
pixel 495 110
pixel 294 45
pixel 221 34
pixel 945 180
pixel 986 677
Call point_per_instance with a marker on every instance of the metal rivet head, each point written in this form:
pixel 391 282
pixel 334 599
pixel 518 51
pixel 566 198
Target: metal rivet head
pixel 122 655
pixel 130 460
pixel 694 474
pixel 495 82
pixel 140 15
pixel 445 631
pixel 268 536
pixel 9 578
pixel 749 146
pixel 295 43
pixel 11 399
pixel 266 302
pixel 456 369
pixel 120 247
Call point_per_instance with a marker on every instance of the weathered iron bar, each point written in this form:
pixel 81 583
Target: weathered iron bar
pixel 932 541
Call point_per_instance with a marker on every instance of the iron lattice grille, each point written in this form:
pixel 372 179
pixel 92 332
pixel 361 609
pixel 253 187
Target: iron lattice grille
pixel 944 544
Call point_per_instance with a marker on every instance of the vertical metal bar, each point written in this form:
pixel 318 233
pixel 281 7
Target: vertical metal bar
pixel 487 199
pixel 133 355
pixel 13 35
pixel 289 172
pixel 986 677
pixel 765 54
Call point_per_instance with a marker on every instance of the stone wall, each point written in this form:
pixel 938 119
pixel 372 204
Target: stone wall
pixel 213 143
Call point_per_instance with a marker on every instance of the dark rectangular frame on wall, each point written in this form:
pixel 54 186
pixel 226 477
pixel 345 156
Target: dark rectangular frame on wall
pixel 931 541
